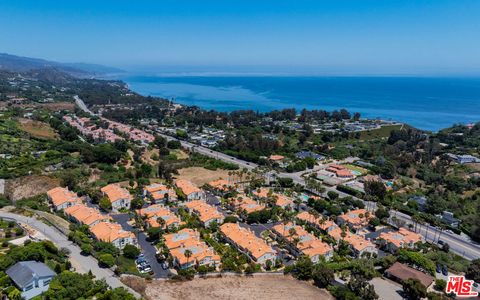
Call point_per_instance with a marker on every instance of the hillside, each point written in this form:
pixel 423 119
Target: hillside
pixel 26 64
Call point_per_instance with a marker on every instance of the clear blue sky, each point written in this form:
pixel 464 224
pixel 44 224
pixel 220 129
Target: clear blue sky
pixel 351 37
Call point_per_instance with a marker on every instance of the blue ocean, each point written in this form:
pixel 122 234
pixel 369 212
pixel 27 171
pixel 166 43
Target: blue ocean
pixel 425 103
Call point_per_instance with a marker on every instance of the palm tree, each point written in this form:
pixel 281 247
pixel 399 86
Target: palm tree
pixel 161 222
pixel 188 254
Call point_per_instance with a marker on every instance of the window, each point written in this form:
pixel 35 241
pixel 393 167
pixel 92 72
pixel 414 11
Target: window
pixel 28 287
pixel 46 282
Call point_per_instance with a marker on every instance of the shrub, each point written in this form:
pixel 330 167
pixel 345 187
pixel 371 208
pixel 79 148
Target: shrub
pixel 106 260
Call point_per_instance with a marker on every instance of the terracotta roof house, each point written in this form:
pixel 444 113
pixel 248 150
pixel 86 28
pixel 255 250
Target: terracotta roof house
pixel 246 242
pixel 62 198
pixel 155 211
pixel 113 233
pixel 358 244
pixel 118 196
pixel 205 212
pixel 403 238
pixel 85 215
pixel 189 239
pixel 244 203
pixel 356 219
pixel 401 272
pixel 307 244
pixel 276 157
pixel 280 199
pixel 340 171
pixel 220 185
pixel 191 191
pixel 159 193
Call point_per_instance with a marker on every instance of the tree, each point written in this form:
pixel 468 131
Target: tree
pixel 105 204
pixel 130 251
pixel 322 275
pixel 473 271
pixel 360 286
pixel 414 289
pixel 87 249
pixel 375 189
pixel 106 260
pixel 332 195
pixel 188 254
pixel 174 144
pixel 440 285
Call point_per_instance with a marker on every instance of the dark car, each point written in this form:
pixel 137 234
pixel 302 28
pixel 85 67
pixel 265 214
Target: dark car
pixel 445 270
pixel 439 268
pixel 440 242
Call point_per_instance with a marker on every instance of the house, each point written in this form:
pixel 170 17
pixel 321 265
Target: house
pixel 448 218
pixel 220 185
pixel 155 211
pixel 62 198
pixel 159 193
pixel 403 238
pixel 302 242
pixel 113 233
pixel 246 241
pixel 119 197
pixel 279 159
pixel 355 219
pixel 205 212
pixel 280 199
pixel 191 191
pixel 306 154
pixel 85 215
pixel 31 277
pixel 463 159
pixel 244 204
pixel 400 272
pixel 340 171
pixel 189 240
pixel 359 245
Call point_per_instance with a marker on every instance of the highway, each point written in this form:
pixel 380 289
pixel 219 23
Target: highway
pixel 458 244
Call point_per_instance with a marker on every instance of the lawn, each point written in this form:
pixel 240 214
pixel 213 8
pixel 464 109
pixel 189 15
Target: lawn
pixel 383 132
pixel 356 168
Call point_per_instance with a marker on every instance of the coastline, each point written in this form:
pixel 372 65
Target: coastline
pixel 413 101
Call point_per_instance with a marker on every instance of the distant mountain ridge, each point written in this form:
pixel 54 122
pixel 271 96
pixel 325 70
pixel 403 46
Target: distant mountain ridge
pixel 25 64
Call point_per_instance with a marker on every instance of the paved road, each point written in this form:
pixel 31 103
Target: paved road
pixel 458 244
pixel 146 247
pixel 81 263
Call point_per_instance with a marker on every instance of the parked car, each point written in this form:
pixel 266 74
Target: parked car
pixel 439 268
pixel 445 270
pixel 165 266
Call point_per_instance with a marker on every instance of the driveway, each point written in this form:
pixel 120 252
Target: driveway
pixel 148 249
pixel 387 289
pixel 81 263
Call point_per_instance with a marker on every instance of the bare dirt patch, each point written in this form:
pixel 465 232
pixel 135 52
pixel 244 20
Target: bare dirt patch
pixel 200 176
pixel 37 128
pixel 57 106
pixel 238 288
pixel 29 186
